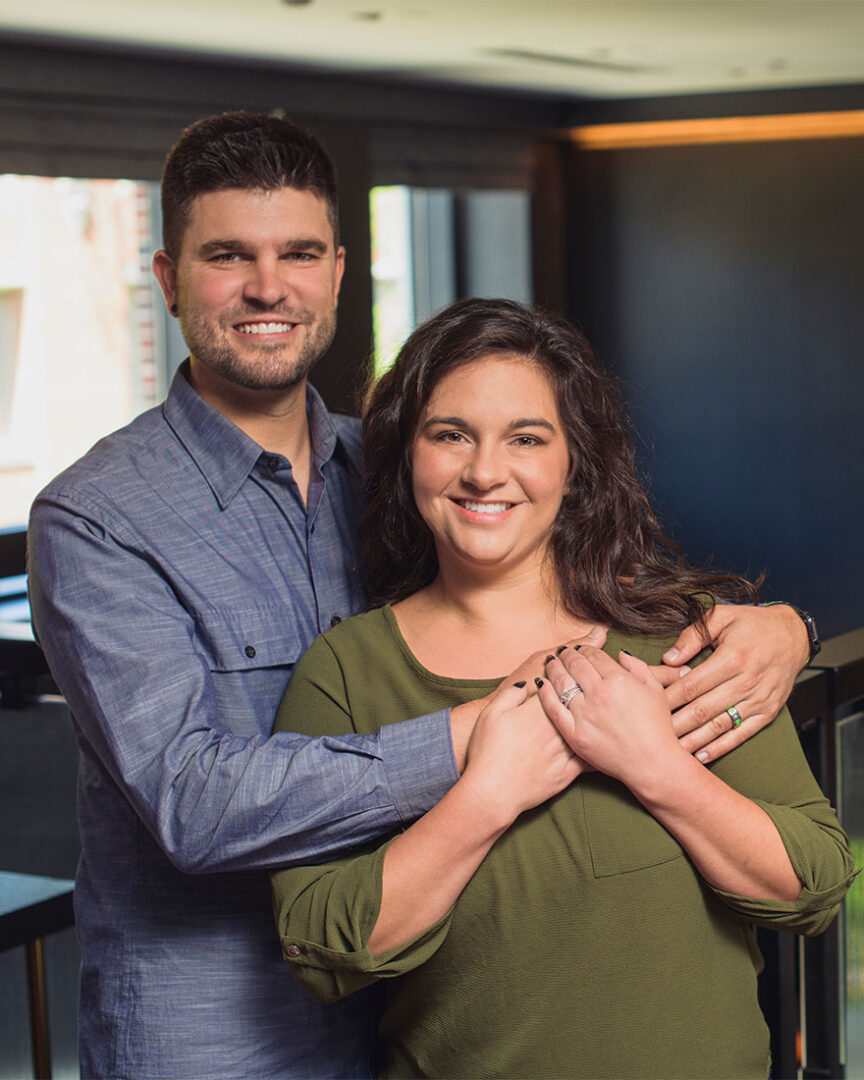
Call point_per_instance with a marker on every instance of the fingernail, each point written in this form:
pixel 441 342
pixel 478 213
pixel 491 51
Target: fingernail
pixel 549 658
pixel 703 757
pixel 671 654
pixel 560 649
pixel 627 652
pixel 520 685
pixel 685 669
pixel 576 648
pixel 538 683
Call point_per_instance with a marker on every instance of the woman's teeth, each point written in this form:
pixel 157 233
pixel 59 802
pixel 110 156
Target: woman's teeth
pixel 485 507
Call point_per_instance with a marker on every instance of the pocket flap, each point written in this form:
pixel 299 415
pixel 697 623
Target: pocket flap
pixel 259 637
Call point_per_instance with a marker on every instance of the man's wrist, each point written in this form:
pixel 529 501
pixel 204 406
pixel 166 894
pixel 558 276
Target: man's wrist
pixel 814 644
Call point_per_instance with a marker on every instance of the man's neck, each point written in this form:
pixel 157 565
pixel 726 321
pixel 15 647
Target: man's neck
pixel 275 419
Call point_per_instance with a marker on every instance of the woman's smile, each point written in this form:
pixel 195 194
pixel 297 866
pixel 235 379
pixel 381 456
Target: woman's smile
pixel 490 464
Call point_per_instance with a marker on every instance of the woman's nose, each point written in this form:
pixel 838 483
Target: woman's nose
pixel 485 468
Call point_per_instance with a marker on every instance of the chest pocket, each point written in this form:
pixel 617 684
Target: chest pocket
pixel 622 835
pixel 252 638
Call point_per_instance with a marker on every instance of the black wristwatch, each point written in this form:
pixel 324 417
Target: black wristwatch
pixel 810 625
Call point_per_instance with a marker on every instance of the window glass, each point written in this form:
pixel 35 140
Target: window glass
pixel 81 325
pixel 431 246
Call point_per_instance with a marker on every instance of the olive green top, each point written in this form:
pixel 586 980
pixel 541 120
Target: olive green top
pixel 586 944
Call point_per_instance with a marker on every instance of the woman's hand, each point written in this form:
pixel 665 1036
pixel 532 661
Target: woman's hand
pixel 619 721
pixel 464 717
pixel 516 760
pixel 759 652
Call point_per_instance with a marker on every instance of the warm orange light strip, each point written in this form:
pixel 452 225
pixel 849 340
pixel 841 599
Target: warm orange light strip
pixel 725 129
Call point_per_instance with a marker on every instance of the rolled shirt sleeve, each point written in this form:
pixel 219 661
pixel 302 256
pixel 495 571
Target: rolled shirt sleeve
pixel 771 769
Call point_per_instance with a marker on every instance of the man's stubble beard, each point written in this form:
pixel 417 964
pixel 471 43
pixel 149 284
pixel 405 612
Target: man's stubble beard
pixel 274 366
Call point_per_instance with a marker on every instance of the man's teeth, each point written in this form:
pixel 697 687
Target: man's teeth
pixel 485 507
pixel 265 328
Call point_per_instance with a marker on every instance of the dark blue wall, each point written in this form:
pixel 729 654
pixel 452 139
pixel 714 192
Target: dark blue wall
pixel 725 284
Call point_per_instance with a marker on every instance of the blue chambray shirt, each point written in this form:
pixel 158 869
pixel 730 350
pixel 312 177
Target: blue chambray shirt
pixel 175 578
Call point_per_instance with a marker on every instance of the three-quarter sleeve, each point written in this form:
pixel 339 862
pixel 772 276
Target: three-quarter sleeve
pixel 326 914
pixel 771 769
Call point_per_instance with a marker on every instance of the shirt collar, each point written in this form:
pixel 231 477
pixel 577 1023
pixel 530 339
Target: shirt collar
pixel 225 454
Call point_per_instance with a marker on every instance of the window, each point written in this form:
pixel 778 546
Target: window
pixel 431 246
pixel 81 323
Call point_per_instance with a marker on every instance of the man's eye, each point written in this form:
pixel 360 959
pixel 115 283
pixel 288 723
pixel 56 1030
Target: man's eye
pixel 301 256
pixel 225 257
pixel 527 440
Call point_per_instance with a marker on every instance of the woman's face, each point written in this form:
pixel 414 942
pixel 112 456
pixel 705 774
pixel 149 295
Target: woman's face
pixel 490 463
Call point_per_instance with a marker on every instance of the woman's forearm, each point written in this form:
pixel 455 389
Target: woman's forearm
pixel 427 867
pixel 732 842
pixel 516 760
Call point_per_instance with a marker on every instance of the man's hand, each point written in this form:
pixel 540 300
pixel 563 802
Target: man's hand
pixel 759 651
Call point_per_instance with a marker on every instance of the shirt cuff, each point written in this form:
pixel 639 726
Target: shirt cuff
pixel 419 762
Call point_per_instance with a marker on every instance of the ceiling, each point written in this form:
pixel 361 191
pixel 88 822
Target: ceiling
pixel 594 48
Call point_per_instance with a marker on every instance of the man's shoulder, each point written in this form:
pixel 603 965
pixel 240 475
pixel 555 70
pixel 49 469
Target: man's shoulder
pixel 129 458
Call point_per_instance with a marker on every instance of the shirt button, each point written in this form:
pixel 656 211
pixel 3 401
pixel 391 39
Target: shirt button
pixel 250 651
pixel 293 950
pixel 336 620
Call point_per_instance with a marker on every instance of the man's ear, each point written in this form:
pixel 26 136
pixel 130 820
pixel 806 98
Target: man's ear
pixel 340 270
pixel 165 270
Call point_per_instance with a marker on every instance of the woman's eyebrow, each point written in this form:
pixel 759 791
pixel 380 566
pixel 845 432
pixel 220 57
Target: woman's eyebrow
pixel 532 421
pixel 520 422
pixel 454 421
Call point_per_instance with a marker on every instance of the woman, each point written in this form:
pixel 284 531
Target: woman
pixel 541 926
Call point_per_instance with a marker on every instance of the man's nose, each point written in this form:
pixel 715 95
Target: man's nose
pixel 266 282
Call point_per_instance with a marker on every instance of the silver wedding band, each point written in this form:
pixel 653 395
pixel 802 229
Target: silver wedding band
pixel 569 693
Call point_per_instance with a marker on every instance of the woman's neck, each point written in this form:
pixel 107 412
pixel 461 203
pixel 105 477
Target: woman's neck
pixel 465 627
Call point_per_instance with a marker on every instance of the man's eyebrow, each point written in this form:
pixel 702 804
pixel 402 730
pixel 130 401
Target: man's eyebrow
pixel 219 245
pixel 299 244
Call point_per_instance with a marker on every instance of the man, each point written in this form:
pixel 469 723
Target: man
pixel 177 573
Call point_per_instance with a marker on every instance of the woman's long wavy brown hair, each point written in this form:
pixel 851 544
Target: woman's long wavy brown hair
pixel 611 560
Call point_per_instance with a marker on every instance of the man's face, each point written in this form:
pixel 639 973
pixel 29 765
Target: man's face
pixel 255 285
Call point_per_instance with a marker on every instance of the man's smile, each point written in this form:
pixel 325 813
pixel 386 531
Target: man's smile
pixel 264 327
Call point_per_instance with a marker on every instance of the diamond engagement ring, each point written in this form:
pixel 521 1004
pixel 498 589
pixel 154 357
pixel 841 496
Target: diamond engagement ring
pixel 570 692
pixel 737 718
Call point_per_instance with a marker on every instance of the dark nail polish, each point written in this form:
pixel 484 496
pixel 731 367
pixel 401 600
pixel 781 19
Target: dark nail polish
pixel 577 647
pixel 627 652
pixel 560 649
pixel 519 685
pixel 549 658
pixel 538 683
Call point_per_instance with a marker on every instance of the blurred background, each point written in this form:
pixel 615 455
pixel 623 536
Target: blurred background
pixel 682 178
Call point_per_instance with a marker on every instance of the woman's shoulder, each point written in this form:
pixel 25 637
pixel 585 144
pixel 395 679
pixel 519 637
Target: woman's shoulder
pixel 649 648
pixel 367 634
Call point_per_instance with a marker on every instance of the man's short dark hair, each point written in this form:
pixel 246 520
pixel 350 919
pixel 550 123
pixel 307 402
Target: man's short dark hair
pixel 246 151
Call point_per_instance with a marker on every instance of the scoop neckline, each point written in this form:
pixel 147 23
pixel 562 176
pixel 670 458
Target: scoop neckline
pixel 485 684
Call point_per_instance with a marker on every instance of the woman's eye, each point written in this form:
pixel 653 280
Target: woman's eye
pixel 527 440
pixel 450 436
